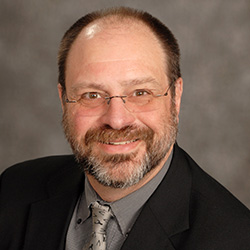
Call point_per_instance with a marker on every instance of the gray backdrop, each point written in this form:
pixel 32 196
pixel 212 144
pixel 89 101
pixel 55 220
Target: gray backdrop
pixel 214 37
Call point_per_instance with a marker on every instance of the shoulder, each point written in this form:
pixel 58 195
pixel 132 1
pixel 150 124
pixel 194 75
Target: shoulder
pixel 41 166
pixel 206 189
pixel 33 174
pixel 214 211
pixel 32 186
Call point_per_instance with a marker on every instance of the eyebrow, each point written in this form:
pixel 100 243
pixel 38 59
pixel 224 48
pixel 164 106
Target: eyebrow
pixel 82 85
pixel 102 86
pixel 140 81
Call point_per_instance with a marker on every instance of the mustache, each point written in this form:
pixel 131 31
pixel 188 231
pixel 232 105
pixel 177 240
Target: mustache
pixel 106 134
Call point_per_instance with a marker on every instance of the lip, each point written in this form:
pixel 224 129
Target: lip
pixel 117 143
pixel 119 147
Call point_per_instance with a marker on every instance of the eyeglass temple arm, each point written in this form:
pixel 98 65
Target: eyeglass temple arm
pixel 170 85
pixel 69 101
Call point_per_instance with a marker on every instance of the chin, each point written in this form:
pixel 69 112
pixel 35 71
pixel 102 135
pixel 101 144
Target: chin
pixel 119 171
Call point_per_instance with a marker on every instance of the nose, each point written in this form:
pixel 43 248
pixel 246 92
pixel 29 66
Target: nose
pixel 117 116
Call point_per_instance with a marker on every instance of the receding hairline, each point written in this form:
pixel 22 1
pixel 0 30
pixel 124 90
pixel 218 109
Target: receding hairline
pixel 116 21
pixel 121 20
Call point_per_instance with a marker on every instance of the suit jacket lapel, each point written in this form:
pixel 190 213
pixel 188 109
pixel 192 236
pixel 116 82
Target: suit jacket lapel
pixel 166 213
pixel 147 234
pixel 49 218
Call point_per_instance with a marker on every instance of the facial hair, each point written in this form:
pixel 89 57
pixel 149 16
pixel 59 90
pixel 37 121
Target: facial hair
pixel 121 170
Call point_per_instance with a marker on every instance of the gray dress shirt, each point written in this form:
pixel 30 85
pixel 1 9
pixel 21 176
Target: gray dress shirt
pixel 125 212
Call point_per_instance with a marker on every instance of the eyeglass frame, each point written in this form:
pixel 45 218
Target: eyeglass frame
pixel 121 96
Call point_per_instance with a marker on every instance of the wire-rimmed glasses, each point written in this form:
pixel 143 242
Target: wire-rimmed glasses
pixel 139 100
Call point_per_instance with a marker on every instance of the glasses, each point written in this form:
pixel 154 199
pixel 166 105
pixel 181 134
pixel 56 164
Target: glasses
pixel 140 100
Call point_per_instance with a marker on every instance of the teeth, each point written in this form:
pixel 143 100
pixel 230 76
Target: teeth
pixel 119 143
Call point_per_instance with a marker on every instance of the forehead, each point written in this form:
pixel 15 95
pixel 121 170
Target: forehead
pixel 113 45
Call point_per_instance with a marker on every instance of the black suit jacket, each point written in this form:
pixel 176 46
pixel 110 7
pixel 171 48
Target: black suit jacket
pixel 189 209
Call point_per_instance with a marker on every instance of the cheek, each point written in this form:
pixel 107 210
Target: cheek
pixel 155 120
pixel 80 123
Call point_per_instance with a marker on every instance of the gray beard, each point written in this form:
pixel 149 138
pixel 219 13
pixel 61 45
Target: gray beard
pixel 104 167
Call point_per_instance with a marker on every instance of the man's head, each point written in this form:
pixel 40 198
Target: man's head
pixel 163 34
pixel 134 59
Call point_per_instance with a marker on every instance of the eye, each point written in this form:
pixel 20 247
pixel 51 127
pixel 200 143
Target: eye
pixel 91 95
pixel 141 92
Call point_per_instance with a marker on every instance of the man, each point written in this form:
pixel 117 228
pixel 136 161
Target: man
pixel 120 88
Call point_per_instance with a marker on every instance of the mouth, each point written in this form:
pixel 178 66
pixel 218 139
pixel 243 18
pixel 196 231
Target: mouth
pixel 117 143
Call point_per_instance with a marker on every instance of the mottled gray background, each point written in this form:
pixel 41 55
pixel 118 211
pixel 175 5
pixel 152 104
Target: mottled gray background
pixel 214 37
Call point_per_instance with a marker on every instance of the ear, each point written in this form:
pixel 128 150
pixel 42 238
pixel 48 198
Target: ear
pixel 178 94
pixel 60 92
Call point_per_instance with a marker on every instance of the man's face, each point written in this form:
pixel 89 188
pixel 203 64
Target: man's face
pixel 118 147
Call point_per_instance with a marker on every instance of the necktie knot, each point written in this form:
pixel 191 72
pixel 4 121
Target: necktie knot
pixel 100 217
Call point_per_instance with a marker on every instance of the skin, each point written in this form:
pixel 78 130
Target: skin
pixel 110 59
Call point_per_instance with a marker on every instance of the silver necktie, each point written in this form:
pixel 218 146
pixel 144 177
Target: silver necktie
pixel 100 218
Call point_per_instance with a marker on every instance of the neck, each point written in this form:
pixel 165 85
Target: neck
pixel 111 194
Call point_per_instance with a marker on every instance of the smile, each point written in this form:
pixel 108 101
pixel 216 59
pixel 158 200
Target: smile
pixel 120 142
